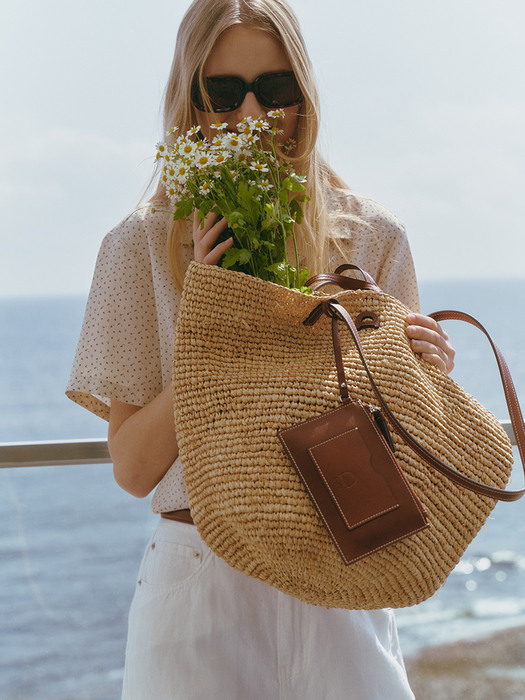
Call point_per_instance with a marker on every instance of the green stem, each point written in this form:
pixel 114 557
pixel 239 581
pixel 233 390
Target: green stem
pixel 283 232
pixel 296 261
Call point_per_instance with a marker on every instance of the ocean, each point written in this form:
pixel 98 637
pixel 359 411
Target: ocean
pixel 71 541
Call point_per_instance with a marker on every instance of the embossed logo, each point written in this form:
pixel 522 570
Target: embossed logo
pixel 344 480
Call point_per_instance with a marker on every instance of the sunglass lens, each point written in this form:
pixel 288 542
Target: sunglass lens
pixel 279 90
pixel 225 94
pixel 196 96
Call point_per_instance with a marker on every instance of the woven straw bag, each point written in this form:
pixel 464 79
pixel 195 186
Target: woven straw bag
pixel 246 367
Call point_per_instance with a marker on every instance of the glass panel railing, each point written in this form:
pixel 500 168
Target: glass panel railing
pixel 71 542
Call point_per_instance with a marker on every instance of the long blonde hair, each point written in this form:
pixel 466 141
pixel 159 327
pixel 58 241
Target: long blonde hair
pixel 200 28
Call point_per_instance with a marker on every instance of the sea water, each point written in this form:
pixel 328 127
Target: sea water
pixel 71 540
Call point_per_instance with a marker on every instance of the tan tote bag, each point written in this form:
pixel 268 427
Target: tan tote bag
pixel 246 368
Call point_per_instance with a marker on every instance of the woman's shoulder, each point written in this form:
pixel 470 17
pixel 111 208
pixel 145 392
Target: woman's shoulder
pixel 144 226
pixel 362 214
pixel 139 239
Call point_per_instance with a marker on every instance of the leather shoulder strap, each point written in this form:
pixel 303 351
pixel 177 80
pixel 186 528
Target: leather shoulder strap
pixel 338 312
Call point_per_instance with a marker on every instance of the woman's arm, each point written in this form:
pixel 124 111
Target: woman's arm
pixel 142 442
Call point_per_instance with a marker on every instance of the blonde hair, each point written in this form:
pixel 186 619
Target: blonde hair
pixel 200 28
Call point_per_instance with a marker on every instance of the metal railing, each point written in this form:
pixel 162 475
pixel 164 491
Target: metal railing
pixel 73 452
pixel 54 453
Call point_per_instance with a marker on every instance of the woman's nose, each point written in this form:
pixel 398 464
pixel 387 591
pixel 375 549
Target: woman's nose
pixel 250 107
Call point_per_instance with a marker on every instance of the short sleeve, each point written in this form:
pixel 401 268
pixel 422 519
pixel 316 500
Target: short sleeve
pixel 118 355
pixel 397 275
pixel 371 237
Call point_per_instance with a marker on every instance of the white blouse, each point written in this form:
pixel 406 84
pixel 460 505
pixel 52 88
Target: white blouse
pixel 126 343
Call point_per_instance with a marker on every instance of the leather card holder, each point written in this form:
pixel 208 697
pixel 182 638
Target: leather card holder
pixel 351 480
pixel 358 488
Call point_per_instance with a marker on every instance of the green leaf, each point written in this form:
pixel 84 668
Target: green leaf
pixel 179 214
pixel 244 256
pixel 230 257
pixel 296 211
pixel 283 271
pixel 235 218
pixel 184 209
pixel 204 208
pixel 304 276
pixel 292 184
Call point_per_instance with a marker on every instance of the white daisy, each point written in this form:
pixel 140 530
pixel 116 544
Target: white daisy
pixel 258 167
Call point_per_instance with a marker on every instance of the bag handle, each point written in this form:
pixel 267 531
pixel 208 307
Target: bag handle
pixel 343 281
pixel 333 308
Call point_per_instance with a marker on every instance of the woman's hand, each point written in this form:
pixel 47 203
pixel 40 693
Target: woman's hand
pixel 429 340
pixel 204 239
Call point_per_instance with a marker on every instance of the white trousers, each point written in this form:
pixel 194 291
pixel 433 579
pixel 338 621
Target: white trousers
pixel 198 629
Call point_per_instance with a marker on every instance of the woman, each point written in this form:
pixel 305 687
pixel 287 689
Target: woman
pixel 198 628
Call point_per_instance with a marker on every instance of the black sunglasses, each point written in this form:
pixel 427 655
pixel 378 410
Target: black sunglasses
pixel 227 92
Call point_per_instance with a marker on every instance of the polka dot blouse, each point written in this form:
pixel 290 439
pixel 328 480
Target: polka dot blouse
pixel 125 347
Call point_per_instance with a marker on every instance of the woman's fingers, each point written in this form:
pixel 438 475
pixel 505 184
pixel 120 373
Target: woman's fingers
pixel 205 235
pixel 202 229
pixel 217 252
pixel 429 340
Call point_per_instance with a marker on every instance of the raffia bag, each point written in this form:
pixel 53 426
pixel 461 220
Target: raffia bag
pixel 246 367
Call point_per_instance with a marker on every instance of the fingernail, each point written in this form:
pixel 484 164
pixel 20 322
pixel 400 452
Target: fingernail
pixel 411 318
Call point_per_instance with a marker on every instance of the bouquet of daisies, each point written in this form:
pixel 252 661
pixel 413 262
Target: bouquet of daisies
pixel 239 177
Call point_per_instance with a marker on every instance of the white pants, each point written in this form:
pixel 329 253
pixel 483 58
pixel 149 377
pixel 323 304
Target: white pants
pixel 198 629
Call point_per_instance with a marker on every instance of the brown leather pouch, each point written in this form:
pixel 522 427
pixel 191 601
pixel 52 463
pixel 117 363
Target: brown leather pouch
pixel 354 480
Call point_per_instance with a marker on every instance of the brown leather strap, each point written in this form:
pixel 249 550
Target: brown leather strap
pixel 511 397
pixel 181 516
pixel 341 376
pixel 343 281
pixel 337 312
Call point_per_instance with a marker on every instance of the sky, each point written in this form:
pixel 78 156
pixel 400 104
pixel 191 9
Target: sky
pixel 423 109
